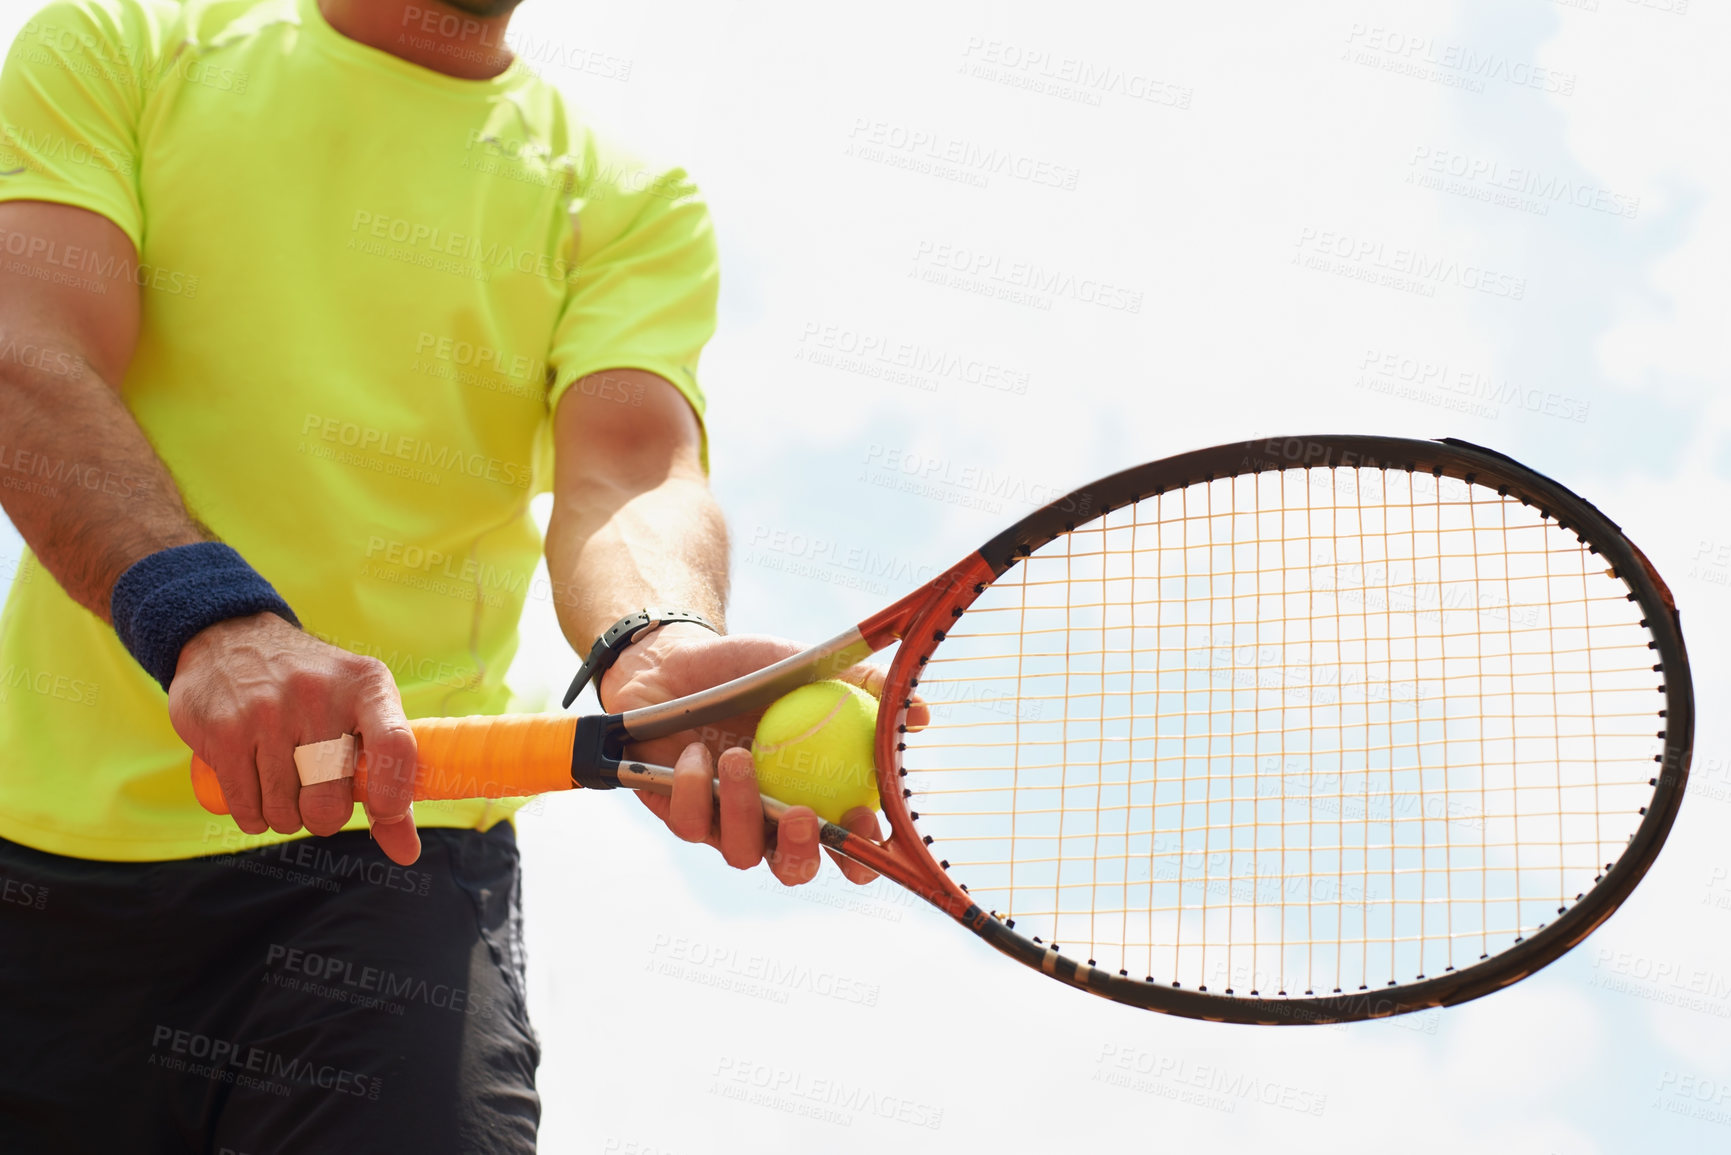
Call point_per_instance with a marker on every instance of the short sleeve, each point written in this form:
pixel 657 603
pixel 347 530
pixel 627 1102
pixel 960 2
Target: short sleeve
pixel 71 96
pixel 642 291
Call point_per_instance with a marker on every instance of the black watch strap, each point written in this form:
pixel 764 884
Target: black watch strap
pixel 621 634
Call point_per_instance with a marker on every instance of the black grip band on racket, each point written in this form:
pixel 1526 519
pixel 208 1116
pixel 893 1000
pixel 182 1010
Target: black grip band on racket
pixel 597 750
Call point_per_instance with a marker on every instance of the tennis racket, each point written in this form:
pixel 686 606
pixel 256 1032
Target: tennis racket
pixel 1302 730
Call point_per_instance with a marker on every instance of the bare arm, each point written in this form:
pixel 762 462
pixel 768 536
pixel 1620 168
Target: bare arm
pixel 633 522
pixel 247 690
pixel 634 525
pixel 64 418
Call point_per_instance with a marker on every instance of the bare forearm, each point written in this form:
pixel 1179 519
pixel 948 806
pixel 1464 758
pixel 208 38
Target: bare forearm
pixel 82 484
pixel 621 551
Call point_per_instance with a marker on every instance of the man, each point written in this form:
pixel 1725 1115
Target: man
pixel 300 302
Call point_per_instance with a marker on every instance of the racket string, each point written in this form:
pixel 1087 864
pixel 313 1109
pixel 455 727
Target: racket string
pixel 1465 754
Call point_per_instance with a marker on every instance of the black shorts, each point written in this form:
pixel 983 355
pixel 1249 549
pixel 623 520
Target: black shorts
pixel 307 997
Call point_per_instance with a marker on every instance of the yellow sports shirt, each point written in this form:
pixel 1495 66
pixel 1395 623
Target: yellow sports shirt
pixel 365 284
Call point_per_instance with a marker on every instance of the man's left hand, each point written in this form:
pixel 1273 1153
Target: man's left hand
pixel 681 658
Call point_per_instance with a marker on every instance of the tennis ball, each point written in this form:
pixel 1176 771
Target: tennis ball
pixel 814 748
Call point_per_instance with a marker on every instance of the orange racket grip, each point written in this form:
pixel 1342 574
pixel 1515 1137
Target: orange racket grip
pixel 499 756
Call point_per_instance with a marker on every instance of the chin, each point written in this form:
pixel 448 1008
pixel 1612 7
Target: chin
pixel 484 8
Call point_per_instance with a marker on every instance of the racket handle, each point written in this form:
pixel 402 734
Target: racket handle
pixel 486 756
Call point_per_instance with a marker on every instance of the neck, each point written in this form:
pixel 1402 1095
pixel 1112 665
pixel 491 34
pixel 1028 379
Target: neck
pixel 426 32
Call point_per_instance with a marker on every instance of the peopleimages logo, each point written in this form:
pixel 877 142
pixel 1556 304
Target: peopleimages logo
pixel 871 139
pixel 1423 57
pixel 1020 281
pixel 821 1099
pixel 481 357
pixel 302 862
pixel 47 684
pixel 227 1061
pixel 757 975
pixel 859 350
pixel 382 443
pixel 1066 77
pixel 1364 258
pixel 48 148
pixel 1209 1084
pixel 361 985
pixel 1544 189
pixel 84 53
pixel 929 475
pixel 1666 981
pixel 48 259
pixel 31 894
pixel 433 241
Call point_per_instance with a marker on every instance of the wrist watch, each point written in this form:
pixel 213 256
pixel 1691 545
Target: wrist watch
pixel 620 635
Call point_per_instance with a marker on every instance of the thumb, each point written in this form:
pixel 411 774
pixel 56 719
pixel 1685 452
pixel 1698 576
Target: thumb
pixel 390 751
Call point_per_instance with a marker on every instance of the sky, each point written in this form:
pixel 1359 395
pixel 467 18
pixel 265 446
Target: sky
pixel 1503 222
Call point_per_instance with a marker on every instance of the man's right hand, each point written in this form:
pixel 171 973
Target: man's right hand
pixel 248 691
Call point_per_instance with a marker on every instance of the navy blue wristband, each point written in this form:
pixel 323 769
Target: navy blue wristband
pixel 163 600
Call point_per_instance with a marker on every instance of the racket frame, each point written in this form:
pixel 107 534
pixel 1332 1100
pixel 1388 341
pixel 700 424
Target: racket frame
pixel 1448 457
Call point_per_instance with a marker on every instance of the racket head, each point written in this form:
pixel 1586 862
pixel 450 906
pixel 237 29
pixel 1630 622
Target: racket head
pixel 944 835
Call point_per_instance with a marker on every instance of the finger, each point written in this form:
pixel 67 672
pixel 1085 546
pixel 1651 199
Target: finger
pixel 871 679
pixel 741 811
pixel 389 746
pixel 863 822
pixel 795 859
pixel 866 677
pixel 692 805
pixel 227 745
pixel 327 806
pixel 279 785
pixel 397 837
pixel 661 806
pixel 237 772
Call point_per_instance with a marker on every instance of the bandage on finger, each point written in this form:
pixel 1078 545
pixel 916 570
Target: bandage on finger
pixel 326 761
